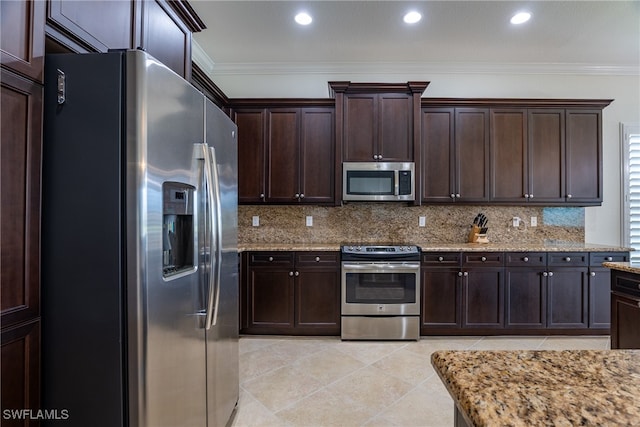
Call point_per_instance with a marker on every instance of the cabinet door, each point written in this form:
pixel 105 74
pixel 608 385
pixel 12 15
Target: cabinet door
pixel 317 295
pixel 625 322
pixel 508 155
pixel 584 156
pixel 567 295
pixel 20 157
pixel 283 155
pixel 599 298
pixel 166 37
pixel 483 298
pixel 438 169
pixel 22 37
pixel 360 131
pixel 317 155
pixel 100 25
pixel 525 302
pixel 441 299
pixel 21 369
pixel 472 154
pixel 251 155
pixel 546 155
pixel 395 132
pixel 271 303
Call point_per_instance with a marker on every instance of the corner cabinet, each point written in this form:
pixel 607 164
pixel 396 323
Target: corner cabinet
pixel 290 293
pixel 286 155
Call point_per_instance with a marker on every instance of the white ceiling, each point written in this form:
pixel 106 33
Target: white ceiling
pixel 260 38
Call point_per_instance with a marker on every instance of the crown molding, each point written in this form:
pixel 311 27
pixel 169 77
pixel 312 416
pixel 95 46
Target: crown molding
pixel 200 57
pixel 360 68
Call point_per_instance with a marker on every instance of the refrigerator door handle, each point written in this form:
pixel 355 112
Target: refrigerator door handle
pixel 213 199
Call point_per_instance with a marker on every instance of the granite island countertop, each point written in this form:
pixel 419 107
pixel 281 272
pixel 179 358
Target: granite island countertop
pixel 443 247
pixel 543 388
pixel 623 266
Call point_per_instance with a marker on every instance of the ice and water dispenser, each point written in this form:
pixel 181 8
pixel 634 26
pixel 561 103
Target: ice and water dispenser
pixel 177 228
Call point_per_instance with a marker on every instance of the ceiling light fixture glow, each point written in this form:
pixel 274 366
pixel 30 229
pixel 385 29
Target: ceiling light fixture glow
pixel 303 18
pixel 520 18
pixel 412 17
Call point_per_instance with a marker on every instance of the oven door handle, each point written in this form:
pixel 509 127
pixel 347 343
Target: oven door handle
pixel 380 266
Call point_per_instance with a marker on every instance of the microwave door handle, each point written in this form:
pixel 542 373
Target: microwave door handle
pixel 396 182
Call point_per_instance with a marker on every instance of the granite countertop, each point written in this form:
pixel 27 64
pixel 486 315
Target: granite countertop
pixel 543 388
pixel 623 266
pixel 444 247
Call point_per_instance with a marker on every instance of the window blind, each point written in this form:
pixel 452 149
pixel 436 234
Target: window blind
pixel 631 140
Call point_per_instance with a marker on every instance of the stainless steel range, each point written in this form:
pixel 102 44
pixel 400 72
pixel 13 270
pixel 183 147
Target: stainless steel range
pixel 380 292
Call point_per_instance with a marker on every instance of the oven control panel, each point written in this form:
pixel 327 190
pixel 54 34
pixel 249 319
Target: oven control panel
pixel 380 250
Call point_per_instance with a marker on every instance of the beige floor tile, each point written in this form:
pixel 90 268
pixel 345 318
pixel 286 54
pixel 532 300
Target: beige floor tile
pixel 369 351
pixel 251 413
pixel 576 343
pixel 406 365
pixel 328 365
pixel 280 388
pixel 370 387
pixel 250 344
pixel 508 343
pixel 259 362
pixel 326 409
pixel 428 345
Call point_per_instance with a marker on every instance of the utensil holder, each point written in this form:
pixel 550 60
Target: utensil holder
pixel 476 237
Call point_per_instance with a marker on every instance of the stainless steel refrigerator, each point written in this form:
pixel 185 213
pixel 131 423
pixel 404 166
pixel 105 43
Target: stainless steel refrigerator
pixel 139 247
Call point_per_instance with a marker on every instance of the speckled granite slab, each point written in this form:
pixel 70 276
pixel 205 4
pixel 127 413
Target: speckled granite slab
pixel 543 388
pixel 623 266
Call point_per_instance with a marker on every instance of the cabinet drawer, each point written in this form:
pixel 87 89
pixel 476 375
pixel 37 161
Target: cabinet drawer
pixel 443 259
pixel 318 258
pixel 526 259
pixel 627 284
pixel 488 259
pixel 568 259
pixel 271 258
pixel 597 258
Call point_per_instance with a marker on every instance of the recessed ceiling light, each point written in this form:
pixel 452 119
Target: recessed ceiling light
pixel 303 18
pixel 412 17
pixel 520 18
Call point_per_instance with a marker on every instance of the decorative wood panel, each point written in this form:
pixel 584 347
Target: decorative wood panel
pixel 20 193
pixel 22 37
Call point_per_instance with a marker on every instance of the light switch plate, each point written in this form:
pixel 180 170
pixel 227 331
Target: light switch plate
pixel 422 221
pixel 309 221
pixel 534 221
pixel 255 221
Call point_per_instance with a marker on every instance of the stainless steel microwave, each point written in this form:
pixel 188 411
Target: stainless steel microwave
pixel 378 181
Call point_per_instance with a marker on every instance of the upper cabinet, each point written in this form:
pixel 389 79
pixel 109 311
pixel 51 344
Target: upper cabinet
pixel 286 154
pixel 543 152
pixel 22 37
pixel 455 155
pixel 160 27
pixel 376 121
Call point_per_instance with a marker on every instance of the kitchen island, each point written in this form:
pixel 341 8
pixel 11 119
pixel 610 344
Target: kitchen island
pixel 542 388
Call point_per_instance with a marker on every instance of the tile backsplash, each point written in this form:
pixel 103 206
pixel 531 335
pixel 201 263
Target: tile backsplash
pixel 399 223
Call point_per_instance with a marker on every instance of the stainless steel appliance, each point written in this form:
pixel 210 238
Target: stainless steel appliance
pixel 378 181
pixel 139 246
pixel 380 292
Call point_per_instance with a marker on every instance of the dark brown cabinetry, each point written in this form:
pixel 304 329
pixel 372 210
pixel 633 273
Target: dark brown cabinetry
pixel 508 147
pixel 162 28
pixel 286 155
pixel 455 155
pixel 292 293
pixel 625 310
pixel 22 37
pixel 441 290
pixel 483 290
pixel 376 121
pixel 515 292
pixel 526 290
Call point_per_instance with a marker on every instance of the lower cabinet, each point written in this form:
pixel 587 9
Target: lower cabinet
pixel 477 293
pixel 625 310
pixel 290 293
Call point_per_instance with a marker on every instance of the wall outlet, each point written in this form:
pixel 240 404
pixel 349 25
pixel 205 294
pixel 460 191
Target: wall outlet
pixel 534 221
pixel 255 221
pixel 516 221
pixel 422 221
pixel 309 221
